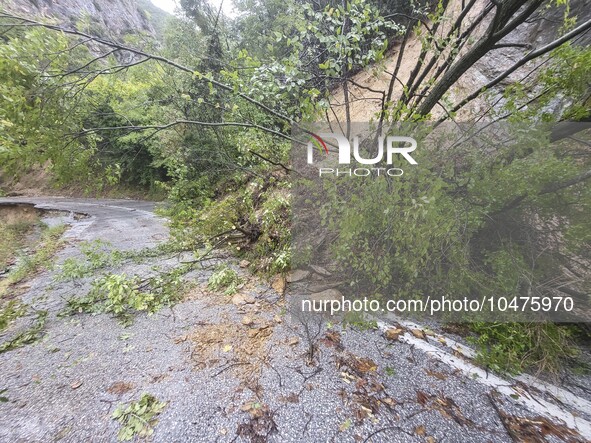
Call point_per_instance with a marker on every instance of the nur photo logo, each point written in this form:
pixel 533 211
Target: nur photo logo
pixel 350 153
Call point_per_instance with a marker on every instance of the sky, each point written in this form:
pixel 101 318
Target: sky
pixel 169 5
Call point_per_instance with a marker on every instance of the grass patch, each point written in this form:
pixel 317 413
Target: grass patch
pixel 516 347
pixel 13 238
pixel 29 265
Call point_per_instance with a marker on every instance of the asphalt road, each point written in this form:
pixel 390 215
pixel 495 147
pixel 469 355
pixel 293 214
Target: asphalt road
pixel 235 370
pixel 129 224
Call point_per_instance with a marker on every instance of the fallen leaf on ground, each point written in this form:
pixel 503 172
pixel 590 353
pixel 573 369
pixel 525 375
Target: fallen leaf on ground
pixel 345 425
pixel 366 365
pixel 418 333
pixel 393 333
pixel 389 401
pixel 420 430
pixel 360 366
pixel 260 425
pixel 536 429
pixel 119 387
pixel 332 339
pixel 422 398
pixel 250 406
pixel 347 378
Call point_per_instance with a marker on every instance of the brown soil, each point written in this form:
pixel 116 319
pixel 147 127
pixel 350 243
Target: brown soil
pixel 38 183
pixel 239 341
pixel 19 213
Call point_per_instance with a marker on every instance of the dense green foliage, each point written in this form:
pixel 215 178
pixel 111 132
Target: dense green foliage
pixel 33 113
pixel 49 243
pixel 464 229
pixel 39 107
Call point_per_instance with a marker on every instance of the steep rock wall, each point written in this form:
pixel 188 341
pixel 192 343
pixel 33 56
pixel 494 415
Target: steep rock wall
pixel 106 18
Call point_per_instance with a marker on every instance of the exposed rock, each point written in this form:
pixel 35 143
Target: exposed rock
pixel 536 33
pixel 112 20
pixel 297 275
pixel 278 283
pixel 242 299
pixel 322 286
pixel 320 270
pixel 419 333
pixel 393 333
pixel 329 294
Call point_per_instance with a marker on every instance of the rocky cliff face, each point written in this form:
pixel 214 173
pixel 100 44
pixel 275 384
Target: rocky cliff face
pixel 107 18
pixel 537 32
pixel 540 30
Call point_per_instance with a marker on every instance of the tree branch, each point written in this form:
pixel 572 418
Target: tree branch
pixel 530 56
pixel 501 25
pixel 546 190
pixel 119 46
pixel 133 128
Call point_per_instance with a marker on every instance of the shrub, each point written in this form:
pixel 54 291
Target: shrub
pixel 516 347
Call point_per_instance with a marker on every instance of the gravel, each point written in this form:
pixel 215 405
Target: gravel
pixel 62 386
